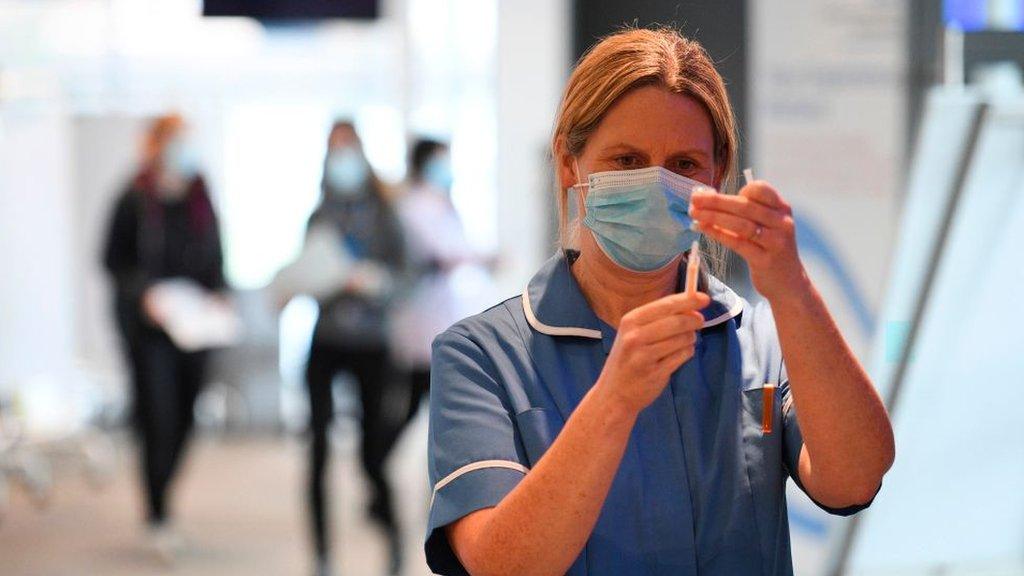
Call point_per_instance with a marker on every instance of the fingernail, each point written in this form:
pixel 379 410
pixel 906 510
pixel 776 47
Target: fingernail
pixel 694 226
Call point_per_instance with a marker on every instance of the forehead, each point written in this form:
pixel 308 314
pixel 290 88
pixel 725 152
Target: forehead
pixel 342 135
pixel 653 119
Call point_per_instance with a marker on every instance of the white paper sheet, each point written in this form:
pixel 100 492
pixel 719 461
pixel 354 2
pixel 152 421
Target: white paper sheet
pixel 193 317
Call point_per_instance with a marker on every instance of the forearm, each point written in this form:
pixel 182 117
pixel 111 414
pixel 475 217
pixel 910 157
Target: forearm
pixel 542 525
pixel 846 431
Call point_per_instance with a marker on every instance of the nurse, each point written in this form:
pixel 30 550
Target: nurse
pixel 607 422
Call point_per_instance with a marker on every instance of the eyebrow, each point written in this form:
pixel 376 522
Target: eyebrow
pixel 631 148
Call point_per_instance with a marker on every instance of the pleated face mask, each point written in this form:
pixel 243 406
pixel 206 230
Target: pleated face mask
pixel 640 217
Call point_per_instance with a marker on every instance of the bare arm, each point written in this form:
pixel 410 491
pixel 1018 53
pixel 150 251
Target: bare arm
pixel 543 524
pixel 848 440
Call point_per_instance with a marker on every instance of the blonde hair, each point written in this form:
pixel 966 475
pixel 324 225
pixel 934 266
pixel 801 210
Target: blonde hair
pixel 630 59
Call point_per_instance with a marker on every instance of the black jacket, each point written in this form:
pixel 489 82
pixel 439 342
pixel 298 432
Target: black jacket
pixel 150 239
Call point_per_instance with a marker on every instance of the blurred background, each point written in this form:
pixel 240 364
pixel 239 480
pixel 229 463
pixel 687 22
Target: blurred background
pixel 895 129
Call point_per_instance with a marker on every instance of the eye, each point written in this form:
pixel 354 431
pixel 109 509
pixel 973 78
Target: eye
pixel 628 161
pixel 683 166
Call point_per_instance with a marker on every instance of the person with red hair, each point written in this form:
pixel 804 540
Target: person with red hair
pixel 163 226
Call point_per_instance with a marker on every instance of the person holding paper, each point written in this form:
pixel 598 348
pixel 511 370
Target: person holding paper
pixel 610 419
pixel 163 229
pixel 350 335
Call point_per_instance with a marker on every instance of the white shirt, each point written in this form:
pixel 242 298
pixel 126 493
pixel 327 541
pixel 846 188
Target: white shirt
pixel 433 232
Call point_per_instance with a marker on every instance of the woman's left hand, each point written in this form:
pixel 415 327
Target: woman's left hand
pixel 848 441
pixel 758 225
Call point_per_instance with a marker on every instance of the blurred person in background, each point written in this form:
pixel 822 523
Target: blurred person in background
pixel 435 246
pixel 350 334
pixel 163 227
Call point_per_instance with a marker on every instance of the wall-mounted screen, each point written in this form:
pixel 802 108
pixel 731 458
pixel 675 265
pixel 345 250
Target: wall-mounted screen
pixel 293 9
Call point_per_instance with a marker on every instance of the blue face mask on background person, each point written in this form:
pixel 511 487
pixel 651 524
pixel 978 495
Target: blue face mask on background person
pixel 640 217
pixel 346 172
pixel 438 172
pixel 180 159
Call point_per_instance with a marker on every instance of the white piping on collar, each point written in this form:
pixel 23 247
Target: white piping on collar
pixel 725 316
pixel 543 328
pixel 554 330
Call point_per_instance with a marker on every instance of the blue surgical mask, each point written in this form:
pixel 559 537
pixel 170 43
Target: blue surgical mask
pixel 346 172
pixel 640 218
pixel 180 159
pixel 438 172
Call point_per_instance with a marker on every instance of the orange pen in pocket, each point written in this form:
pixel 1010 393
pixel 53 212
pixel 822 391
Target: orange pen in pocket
pixel 768 404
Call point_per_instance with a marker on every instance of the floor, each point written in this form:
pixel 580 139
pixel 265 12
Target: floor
pixel 240 507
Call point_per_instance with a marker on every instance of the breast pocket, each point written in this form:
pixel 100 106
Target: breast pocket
pixel 763 455
pixel 762 428
pixel 538 428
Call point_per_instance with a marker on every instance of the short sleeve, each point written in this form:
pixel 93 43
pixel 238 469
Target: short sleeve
pixel 473 458
pixel 766 341
pixel 793 441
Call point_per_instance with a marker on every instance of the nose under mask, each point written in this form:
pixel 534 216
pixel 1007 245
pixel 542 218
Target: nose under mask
pixel 346 172
pixel 180 159
pixel 640 218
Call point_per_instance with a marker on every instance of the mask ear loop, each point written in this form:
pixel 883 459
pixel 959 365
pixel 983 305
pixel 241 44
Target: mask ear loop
pixel 575 217
pixel 576 170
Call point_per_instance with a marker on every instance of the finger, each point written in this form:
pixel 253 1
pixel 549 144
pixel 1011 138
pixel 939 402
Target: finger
pixel 738 205
pixel 674 359
pixel 672 304
pixel 653 353
pixel 745 248
pixel 739 226
pixel 671 327
pixel 763 193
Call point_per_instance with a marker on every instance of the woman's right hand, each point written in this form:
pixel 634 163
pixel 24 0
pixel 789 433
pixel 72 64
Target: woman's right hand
pixel 652 342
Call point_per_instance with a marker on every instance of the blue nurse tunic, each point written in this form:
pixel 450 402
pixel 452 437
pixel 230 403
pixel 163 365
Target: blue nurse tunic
pixel 700 489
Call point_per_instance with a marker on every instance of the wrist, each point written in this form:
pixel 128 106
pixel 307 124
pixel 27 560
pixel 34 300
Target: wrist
pixel 615 408
pixel 795 293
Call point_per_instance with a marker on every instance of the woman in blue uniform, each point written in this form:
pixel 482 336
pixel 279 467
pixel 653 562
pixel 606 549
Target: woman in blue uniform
pixel 608 422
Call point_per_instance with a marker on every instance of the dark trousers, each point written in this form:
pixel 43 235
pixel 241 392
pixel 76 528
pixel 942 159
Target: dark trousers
pixel 418 382
pixel 165 383
pixel 370 368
